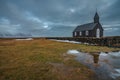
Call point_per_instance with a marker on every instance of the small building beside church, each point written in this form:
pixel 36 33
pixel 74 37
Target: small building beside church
pixel 93 29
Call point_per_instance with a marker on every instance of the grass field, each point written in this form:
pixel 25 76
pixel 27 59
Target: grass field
pixel 42 59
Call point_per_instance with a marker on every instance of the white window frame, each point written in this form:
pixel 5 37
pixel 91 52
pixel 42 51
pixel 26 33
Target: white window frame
pixel 75 33
pixel 98 33
pixel 87 33
pixel 80 33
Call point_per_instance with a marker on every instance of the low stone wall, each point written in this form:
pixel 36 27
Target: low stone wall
pixel 113 41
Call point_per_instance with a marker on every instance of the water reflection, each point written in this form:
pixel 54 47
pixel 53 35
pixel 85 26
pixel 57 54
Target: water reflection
pixel 105 65
pixel 95 58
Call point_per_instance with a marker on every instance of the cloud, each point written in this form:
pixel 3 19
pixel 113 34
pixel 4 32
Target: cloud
pixel 7 27
pixel 38 17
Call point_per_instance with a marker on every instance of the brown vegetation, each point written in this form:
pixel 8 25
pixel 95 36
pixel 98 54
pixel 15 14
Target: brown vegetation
pixel 42 59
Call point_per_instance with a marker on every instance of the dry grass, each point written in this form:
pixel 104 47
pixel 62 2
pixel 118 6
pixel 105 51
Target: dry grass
pixel 42 59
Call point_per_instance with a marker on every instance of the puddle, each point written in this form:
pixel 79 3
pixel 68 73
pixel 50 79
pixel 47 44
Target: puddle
pixel 75 42
pixel 27 39
pixel 73 52
pixel 105 65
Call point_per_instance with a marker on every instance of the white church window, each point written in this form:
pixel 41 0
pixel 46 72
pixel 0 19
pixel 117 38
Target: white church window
pixel 75 33
pixel 87 33
pixel 80 33
pixel 98 33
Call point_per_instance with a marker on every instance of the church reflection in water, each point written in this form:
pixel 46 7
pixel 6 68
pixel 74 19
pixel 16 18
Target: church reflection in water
pixel 105 65
pixel 95 57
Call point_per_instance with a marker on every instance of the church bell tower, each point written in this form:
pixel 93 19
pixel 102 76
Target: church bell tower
pixel 96 18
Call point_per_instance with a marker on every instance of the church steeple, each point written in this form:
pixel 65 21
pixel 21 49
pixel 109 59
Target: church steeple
pixel 96 18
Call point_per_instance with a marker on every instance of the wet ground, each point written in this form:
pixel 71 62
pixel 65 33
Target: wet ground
pixel 105 65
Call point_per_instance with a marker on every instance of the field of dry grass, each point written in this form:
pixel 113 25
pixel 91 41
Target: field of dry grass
pixel 42 59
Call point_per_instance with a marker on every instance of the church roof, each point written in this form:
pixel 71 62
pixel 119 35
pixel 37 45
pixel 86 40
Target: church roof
pixel 84 27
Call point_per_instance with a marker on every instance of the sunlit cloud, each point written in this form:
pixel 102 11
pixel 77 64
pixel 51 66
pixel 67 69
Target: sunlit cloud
pixel 72 10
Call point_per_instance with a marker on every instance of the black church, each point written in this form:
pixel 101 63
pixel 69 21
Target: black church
pixel 93 29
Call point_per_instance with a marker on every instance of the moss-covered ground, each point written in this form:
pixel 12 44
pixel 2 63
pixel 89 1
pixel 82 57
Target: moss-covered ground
pixel 42 59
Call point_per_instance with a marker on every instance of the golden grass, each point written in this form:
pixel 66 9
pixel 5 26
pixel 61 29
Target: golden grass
pixel 42 59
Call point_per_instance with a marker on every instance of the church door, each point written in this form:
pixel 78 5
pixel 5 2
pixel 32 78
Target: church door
pixel 98 33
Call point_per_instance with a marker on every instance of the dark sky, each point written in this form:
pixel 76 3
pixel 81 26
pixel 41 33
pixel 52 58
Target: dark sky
pixel 56 17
